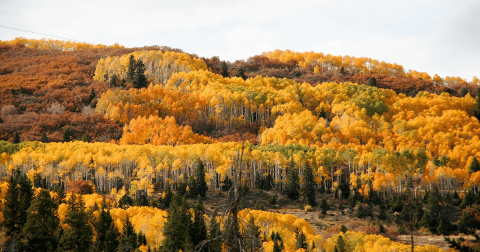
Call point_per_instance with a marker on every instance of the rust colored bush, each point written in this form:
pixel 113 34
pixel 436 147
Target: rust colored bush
pixel 80 187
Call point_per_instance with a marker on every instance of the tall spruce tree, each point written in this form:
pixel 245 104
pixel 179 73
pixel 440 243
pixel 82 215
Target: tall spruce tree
pixel 79 236
pixel 224 71
pixel 176 228
pixel 16 137
pixel 131 68
pixel 12 210
pixel 476 108
pixel 474 166
pixel 372 82
pixel 241 74
pixel 200 179
pixel 140 80
pixel 198 230
pixel 42 227
pixel 44 138
pixel 308 187
pixel 214 243
pixel 293 187
pixel 106 231
pixel 129 238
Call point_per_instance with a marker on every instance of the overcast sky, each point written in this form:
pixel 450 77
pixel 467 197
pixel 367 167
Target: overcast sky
pixel 430 36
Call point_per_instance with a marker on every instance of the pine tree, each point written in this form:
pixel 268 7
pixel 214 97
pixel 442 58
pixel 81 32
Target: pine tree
pixel 476 109
pixel 340 245
pixel 372 82
pixel 214 243
pixel 128 241
pixel 292 188
pixel 113 81
pixel 308 188
pixel 131 68
pixel 68 134
pixel 382 215
pixel 176 228
pixel 474 166
pixel 16 137
pixel 80 234
pixel 200 179
pixel 198 230
pixel 324 206
pixel 40 231
pixel 469 199
pixel 25 195
pixel 44 138
pixel 125 200
pixel 224 71
pixel 166 197
pixel 252 236
pixel 1 120
pixel 139 80
pixel 12 210
pixel 322 113
pixel 241 74
pixel 301 240
pixel 104 228
pixel 111 239
pixel 92 94
pixel 343 229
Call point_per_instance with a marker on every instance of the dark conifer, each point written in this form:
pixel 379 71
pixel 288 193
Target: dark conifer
pixel 241 74
pixel 214 242
pixel 40 231
pixel 80 235
pixel 292 188
pixel 125 201
pixel 308 188
pixel 12 210
pixel 92 94
pixel 128 241
pixel 372 82
pixel 140 80
pixel 301 240
pixel 176 228
pixel 103 226
pixel 198 231
pixel 131 68
pixel 474 166
pixel 113 81
pixel 44 138
pixel 16 137
pixel 340 245
pixel 200 179
pixel 324 206
pixel 224 71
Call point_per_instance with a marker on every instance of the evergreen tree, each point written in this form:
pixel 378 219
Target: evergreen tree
pixel 1 120
pixel 252 236
pixel 128 241
pixel 140 80
pixel 92 94
pixel 463 92
pixel 301 240
pixel 241 74
pixel 224 71
pixel 131 68
pixel 125 200
pixel 113 81
pixel 111 239
pixel 68 134
pixel 16 137
pixel 176 228
pixel 80 234
pixel 40 231
pixel 417 216
pixel 476 109
pixel 323 115
pixel 469 199
pixel 44 138
pixel 372 82
pixel 324 206
pixel 166 197
pixel 214 243
pixel 200 179
pixel 198 230
pixel 106 230
pixel 25 195
pixel 12 210
pixel 474 166
pixel 382 215
pixel 434 207
pixel 292 188
pixel 343 229
pixel 340 245
pixel 308 188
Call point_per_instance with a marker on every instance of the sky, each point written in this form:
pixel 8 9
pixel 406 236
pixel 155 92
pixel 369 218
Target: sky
pixel 433 36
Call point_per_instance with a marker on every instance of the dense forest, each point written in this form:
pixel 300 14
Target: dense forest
pixel 110 145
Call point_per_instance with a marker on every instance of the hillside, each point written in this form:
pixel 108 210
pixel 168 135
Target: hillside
pixel 136 124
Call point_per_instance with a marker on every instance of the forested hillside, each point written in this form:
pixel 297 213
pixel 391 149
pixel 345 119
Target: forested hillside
pixel 135 129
